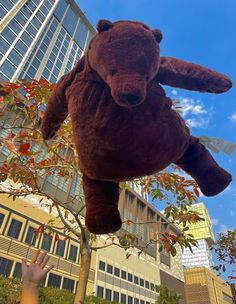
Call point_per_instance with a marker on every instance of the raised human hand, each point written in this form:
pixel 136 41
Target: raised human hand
pixel 35 271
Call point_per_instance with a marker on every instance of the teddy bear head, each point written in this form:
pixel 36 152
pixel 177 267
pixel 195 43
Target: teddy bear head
pixel 126 56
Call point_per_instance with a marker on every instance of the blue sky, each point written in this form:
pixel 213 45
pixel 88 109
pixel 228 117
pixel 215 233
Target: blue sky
pixel 202 32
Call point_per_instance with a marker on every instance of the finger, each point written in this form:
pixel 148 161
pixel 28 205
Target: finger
pixel 35 256
pixel 45 260
pixel 41 258
pixel 49 268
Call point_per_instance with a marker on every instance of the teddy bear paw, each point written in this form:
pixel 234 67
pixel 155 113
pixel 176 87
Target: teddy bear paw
pixel 214 181
pixel 106 220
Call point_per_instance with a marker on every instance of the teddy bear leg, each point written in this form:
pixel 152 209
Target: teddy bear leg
pixel 199 163
pixel 101 199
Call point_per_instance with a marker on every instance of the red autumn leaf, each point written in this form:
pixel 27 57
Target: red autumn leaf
pixel 24 148
pixel 10 145
pixel 196 192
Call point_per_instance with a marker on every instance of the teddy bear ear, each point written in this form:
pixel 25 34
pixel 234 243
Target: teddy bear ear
pixel 104 25
pixel 158 35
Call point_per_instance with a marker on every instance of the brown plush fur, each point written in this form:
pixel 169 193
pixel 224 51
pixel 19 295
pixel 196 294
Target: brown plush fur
pixel 123 123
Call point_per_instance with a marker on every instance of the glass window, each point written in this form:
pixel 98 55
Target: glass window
pixel 21 18
pixel 100 291
pixel 135 279
pixel 5 267
pixel 102 265
pixel 26 38
pixel 60 9
pixel 130 277
pixel 44 9
pixel 123 299
pixel 17 271
pixel 36 63
pixel 15 57
pixel 1 218
pixel 8 35
pixel 46 73
pixel 142 282
pixel 15 26
pixel 30 236
pixel 31 30
pixel 152 286
pixel 31 72
pixel 142 302
pixel 123 274
pixel 116 296
pixel 136 301
pixel 73 253
pixel 3 77
pixel 35 21
pixel 21 47
pixel 26 11
pixel 40 16
pixel 81 34
pixel 117 272
pixel 53 79
pixel 47 242
pixel 108 294
pixel 7 4
pixel 109 268
pixel 147 284
pixel 60 248
pixel 54 280
pixel 130 300
pixel 4 45
pixel 3 12
pixel 68 284
pixel 14 229
pixel 70 21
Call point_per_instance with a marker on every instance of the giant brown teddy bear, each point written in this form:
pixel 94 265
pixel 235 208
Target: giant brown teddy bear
pixel 123 123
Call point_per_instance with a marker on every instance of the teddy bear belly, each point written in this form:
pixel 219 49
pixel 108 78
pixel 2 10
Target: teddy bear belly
pixel 121 155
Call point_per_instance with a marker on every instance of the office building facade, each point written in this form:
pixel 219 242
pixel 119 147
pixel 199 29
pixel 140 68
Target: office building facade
pixel 41 38
pixel 112 275
pixel 202 232
pixel 203 286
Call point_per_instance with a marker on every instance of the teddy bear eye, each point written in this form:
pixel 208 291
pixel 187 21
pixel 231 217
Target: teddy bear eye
pixel 113 72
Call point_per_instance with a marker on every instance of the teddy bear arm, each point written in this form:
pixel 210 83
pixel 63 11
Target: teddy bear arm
pixel 181 74
pixel 198 162
pixel 101 199
pixel 57 107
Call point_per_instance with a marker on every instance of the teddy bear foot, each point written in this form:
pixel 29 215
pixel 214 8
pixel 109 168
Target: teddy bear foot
pixel 107 220
pixel 214 181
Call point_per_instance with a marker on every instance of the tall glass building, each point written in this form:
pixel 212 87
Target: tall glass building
pixel 41 38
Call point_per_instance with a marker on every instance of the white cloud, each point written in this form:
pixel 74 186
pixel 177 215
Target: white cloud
pixel 214 221
pixel 191 106
pixel 174 92
pixel 197 122
pixel 192 110
pixel 233 117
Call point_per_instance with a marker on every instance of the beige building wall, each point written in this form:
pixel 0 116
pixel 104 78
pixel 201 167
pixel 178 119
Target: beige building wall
pixel 203 286
pixel 30 213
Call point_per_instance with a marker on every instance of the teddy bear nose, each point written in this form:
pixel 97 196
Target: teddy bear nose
pixel 131 99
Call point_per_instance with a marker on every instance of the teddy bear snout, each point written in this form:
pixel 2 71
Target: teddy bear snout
pixel 131 99
pixel 128 94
